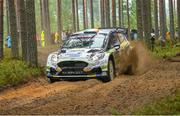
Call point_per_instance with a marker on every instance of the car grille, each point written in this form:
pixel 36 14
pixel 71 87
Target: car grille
pixel 72 71
pixel 72 67
pixel 72 64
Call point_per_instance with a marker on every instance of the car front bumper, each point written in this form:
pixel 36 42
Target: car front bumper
pixel 103 74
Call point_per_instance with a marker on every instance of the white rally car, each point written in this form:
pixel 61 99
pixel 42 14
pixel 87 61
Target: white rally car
pixel 92 53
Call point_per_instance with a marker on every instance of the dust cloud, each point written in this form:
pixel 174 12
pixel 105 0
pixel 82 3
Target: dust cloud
pixel 141 58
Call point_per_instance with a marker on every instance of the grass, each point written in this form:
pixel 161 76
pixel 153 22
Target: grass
pixel 166 106
pixel 115 112
pixel 167 51
pixel 14 72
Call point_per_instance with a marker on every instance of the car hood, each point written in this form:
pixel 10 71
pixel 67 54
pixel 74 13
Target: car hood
pixel 77 53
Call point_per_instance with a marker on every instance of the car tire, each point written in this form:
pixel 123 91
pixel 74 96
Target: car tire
pixel 110 72
pixel 52 80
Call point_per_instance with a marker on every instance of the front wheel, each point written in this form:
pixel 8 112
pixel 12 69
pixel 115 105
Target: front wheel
pixel 111 72
pixel 52 80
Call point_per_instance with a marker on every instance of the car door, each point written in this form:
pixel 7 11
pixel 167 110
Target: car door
pixel 114 47
pixel 124 43
pixel 123 56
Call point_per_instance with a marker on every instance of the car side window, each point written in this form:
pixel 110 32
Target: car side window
pixel 113 41
pixel 121 38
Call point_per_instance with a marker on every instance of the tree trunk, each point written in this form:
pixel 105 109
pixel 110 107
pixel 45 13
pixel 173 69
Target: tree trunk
pixel 178 17
pixel 31 28
pixel 74 15
pixel 85 14
pixel 147 21
pixel 7 17
pixel 120 12
pixel 102 13
pixel 156 20
pixel 108 23
pixel 162 20
pixel 92 13
pixel 41 12
pixel 171 13
pixel 46 21
pixel 77 15
pixel 59 21
pixel 128 18
pixel 114 13
pixel 139 18
pixel 22 28
pixel 17 17
pixel 150 17
pixel 1 29
pixel 13 28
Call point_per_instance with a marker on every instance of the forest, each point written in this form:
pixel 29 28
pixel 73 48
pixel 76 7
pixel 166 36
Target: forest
pixel 31 29
pixel 75 15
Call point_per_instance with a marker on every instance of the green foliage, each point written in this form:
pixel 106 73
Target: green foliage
pixel 167 106
pixel 167 51
pixel 115 112
pixel 13 72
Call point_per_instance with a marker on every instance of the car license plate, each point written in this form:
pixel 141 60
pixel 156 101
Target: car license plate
pixel 72 73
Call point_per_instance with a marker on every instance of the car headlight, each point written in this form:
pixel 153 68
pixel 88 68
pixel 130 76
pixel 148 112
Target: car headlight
pixel 54 58
pixel 96 57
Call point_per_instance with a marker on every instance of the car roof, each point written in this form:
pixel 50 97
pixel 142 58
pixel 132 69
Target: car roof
pixel 100 30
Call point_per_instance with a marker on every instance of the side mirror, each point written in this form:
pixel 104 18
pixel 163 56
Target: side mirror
pixel 117 47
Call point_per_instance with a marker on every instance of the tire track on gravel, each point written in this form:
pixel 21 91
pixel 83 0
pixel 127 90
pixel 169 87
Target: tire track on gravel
pixel 125 93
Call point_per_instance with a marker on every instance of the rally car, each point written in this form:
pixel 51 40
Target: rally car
pixel 91 53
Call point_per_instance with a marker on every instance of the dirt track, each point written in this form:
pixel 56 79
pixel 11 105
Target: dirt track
pixel 125 93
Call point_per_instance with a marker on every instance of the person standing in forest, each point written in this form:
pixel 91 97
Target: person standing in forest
pixel 9 41
pixel 64 36
pixel 56 39
pixel 42 39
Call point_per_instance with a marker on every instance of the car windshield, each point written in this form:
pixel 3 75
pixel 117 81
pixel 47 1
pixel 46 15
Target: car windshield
pixel 86 41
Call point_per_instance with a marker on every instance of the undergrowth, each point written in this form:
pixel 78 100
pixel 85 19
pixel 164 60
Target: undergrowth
pixel 14 72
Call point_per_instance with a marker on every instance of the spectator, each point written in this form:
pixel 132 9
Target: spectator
pixel 64 36
pixel 43 39
pixel 56 39
pixel 9 41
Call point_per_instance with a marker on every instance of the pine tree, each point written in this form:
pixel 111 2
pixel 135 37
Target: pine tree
pixel 139 18
pixel 120 12
pixel 46 21
pixel 77 15
pixel 92 13
pixel 128 18
pixel 107 11
pixel 156 19
pixel 22 31
pixel 13 28
pixel 147 21
pixel 85 14
pixel 178 17
pixel 59 15
pixel 102 13
pixel 41 12
pixel 162 20
pixel 31 34
pixel 1 29
pixel 171 13
pixel 74 15
pixel 114 13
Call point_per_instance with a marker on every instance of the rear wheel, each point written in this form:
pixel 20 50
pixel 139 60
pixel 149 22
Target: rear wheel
pixel 111 72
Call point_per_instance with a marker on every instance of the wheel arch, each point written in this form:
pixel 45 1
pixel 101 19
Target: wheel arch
pixel 111 57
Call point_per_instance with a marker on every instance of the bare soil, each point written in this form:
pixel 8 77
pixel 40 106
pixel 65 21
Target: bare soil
pixel 125 94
